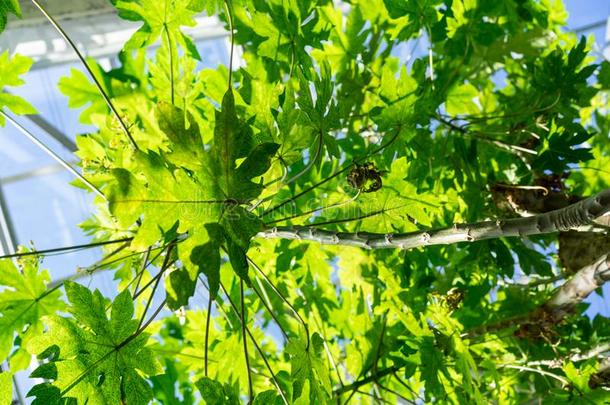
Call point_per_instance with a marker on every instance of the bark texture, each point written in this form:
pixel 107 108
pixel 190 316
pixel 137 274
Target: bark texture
pixel 564 219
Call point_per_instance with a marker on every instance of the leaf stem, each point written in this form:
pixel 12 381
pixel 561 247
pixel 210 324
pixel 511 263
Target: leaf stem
pixel 66 249
pixel 254 342
pixel 207 333
pixel 171 62
pixel 245 341
pixel 157 278
pixel 166 264
pixel 270 311
pixel 145 264
pixel 515 149
pixel 230 20
pixel 281 296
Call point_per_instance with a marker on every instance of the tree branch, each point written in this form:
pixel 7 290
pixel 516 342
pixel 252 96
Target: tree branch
pixel 583 283
pixel 570 217
pixel 563 301
pixel 515 149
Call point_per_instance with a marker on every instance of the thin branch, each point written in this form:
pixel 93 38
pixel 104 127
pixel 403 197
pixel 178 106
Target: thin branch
pixel 66 249
pixel 516 149
pixel 391 391
pixel 166 264
pixel 380 343
pixel 145 264
pixel 156 278
pixel 267 306
pixel 411 390
pixel 281 296
pixel 207 333
pixel 171 61
pixel 375 397
pixel 256 345
pixel 230 20
pixel 570 217
pixel 596 352
pixel 373 368
pixel 89 71
pixel 101 264
pixel 245 341
pixel 152 317
pixel 536 370
pixel 333 363
pixel 540 281
pixel 311 163
pixel 306 190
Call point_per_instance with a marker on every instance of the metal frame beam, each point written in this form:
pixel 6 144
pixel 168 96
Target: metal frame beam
pixel 98 35
pixel 42 123
pixel 8 243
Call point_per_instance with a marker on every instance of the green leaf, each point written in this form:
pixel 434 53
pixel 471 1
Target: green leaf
pixel 24 300
pixel 320 108
pixel 232 141
pixel 431 366
pixel 93 358
pixel 308 364
pixel 203 195
pixel 603 76
pixel 258 161
pixel 397 96
pixel 215 393
pixel 270 397
pixel 6 388
pixel 179 287
pixel 461 100
pixel 185 139
pixel 80 92
pixel 8 6
pixel 204 254
pixel 10 71
pixel 161 18
pixel 237 256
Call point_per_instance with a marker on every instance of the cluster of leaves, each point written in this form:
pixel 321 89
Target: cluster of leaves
pixel 500 95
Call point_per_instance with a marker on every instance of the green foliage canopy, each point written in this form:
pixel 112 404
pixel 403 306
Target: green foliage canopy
pixel 332 123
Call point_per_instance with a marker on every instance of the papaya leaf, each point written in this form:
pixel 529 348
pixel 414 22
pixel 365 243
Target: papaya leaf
pixel 10 71
pixel 93 358
pixel 164 17
pixel 308 364
pixel 215 393
pixel 23 302
pixel 6 388
pixel 8 6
